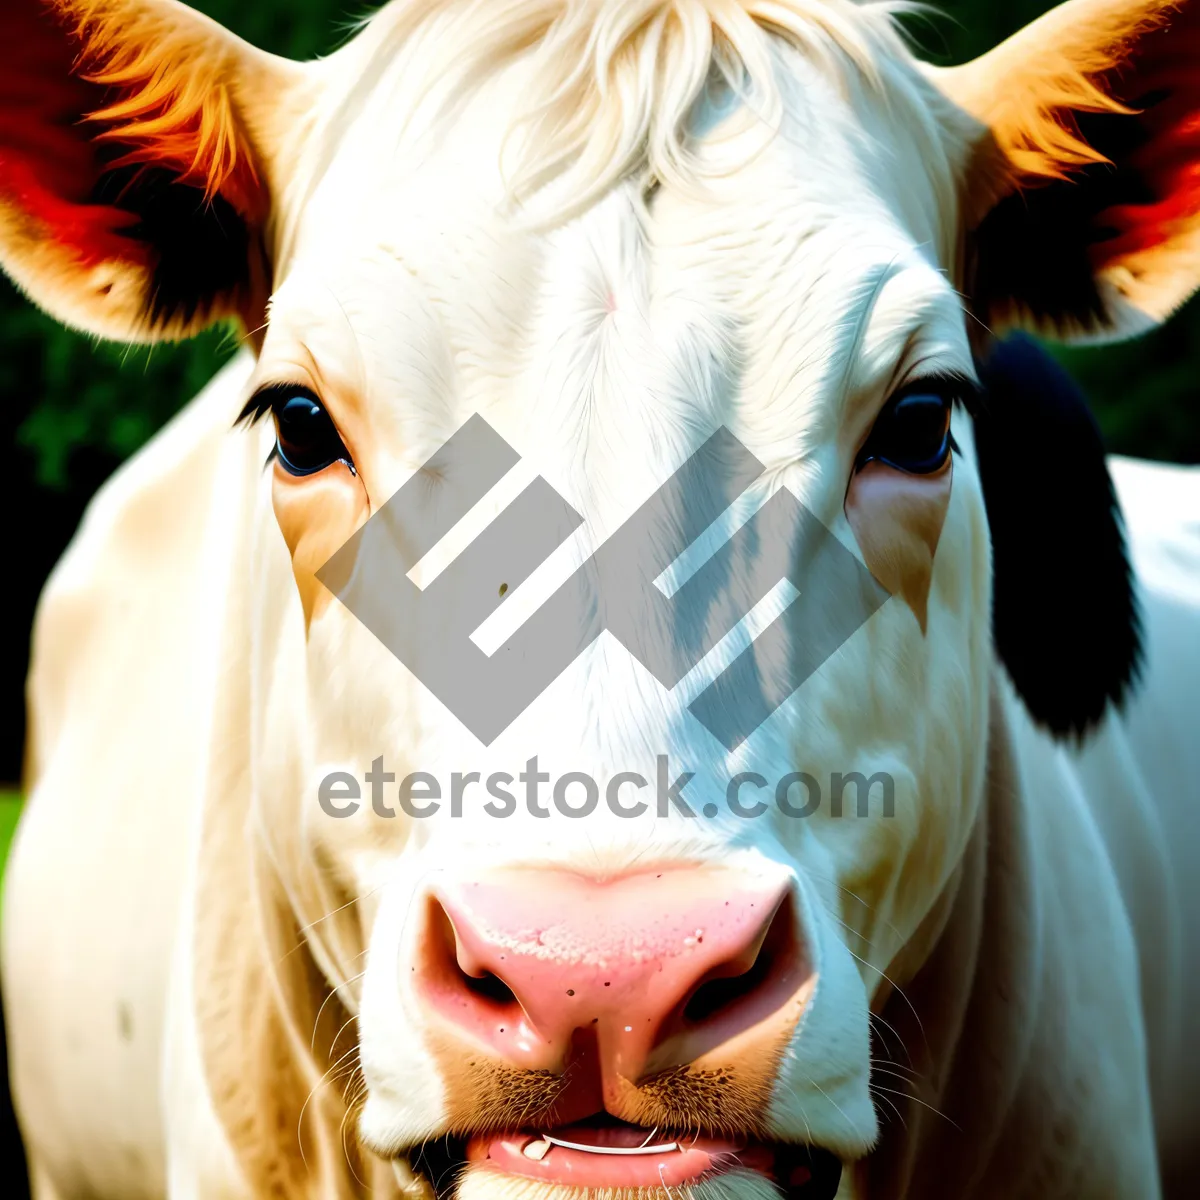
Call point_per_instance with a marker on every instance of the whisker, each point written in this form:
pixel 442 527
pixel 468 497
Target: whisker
pixel 312 1045
pixel 893 1106
pixel 874 1016
pixel 899 992
pixel 877 1069
pixel 917 1100
pixel 831 1101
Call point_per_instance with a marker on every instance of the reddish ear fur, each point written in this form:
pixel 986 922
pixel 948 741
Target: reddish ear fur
pixel 131 195
pixel 1084 197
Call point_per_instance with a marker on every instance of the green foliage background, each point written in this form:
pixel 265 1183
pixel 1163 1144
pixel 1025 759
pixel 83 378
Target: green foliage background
pixel 76 396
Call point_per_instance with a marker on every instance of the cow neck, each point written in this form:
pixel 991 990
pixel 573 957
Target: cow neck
pixel 966 1015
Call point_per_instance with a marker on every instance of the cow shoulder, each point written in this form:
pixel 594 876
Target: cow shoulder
pixel 1156 743
pixel 1117 847
pixel 116 604
pixel 123 682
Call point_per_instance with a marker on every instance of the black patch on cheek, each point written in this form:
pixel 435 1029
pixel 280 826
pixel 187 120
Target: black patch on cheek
pixel 1065 615
pixel 200 248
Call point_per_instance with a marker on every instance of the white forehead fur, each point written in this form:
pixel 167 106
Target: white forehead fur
pixel 782 288
pixel 794 264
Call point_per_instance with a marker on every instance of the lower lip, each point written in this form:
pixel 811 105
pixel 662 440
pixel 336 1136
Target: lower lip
pixel 581 1168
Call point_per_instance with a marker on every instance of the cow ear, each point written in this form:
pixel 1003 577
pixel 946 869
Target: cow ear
pixel 134 186
pixel 1064 612
pixel 1082 197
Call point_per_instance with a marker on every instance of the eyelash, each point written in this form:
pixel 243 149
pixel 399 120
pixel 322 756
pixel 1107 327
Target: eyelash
pixel 262 403
pixel 962 389
pixel 952 388
pixel 956 388
pixel 273 399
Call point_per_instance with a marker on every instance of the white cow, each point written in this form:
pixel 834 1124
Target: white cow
pixel 610 228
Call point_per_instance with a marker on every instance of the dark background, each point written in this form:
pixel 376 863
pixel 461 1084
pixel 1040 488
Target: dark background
pixel 72 410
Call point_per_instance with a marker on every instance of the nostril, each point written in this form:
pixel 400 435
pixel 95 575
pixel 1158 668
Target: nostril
pixel 451 977
pixel 713 995
pixel 489 987
pixel 753 980
pixel 655 968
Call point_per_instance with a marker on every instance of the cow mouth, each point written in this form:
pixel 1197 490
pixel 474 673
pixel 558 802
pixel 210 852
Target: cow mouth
pixel 605 1153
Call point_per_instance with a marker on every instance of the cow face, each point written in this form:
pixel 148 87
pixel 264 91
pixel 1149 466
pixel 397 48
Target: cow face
pixel 711 962
pixel 526 272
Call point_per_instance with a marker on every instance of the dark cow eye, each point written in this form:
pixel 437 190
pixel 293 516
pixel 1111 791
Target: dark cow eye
pixel 307 439
pixel 912 433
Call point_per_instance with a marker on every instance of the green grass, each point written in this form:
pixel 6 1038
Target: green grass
pixel 10 809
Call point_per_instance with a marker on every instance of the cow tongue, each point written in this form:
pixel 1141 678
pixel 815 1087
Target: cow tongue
pixel 607 1155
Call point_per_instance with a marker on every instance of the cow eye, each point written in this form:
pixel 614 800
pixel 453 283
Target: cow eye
pixel 307 441
pixel 912 433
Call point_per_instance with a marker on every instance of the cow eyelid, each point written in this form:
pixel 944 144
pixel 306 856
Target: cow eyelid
pixel 324 445
pixel 264 400
pixel 958 386
pixel 897 443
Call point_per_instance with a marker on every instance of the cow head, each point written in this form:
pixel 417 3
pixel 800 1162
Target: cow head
pixel 591 237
